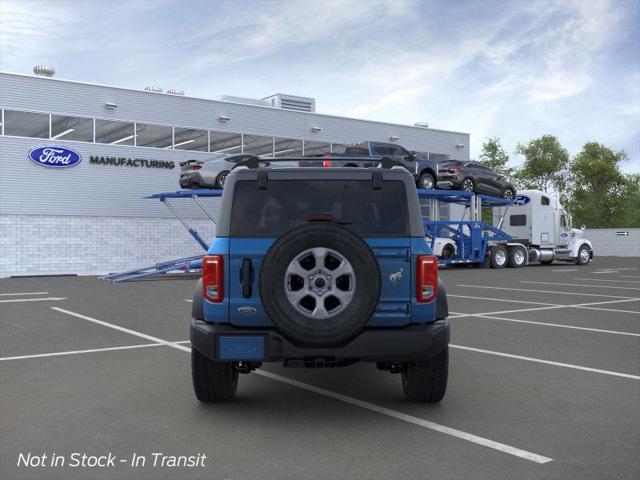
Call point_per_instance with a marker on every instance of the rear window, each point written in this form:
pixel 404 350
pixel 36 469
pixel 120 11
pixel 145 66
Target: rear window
pixel 285 204
pixel 450 163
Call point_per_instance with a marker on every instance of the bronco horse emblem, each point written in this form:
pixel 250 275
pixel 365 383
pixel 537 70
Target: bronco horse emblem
pixel 395 277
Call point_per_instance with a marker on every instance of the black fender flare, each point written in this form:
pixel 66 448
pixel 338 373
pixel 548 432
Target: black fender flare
pixel 442 307
pixel 197 311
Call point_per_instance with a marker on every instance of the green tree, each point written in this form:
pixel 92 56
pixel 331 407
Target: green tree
pixel 599 194
pixel 494 156
pixel 545 164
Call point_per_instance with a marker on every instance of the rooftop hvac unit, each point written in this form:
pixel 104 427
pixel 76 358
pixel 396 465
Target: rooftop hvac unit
pixel 175 91
pixel 153 88
pixel 291 102
pixel 44 71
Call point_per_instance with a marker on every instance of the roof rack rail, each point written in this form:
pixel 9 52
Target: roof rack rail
pixel 255 162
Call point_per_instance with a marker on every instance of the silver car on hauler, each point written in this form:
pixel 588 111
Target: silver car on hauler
pixel 209 173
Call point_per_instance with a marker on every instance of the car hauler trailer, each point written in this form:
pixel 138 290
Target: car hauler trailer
pixel 537 230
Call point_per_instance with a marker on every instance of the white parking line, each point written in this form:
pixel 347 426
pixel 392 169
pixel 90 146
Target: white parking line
pixel 547 362
pixel 605 280
pixel 581 285
pixel 629 276
pixel 122 329
pixel 188 300
pixel 22 293
pixel 566 270
pixel 91 350
pixel 343 398
pixel 501 300
pixel 546 291
pixel 545 324
pixel 47 299
pixel 410 419
pixel 577 305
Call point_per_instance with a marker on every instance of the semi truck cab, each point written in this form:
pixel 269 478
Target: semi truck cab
pixel 539 222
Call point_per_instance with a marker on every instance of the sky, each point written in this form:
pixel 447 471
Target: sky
pixel 514 69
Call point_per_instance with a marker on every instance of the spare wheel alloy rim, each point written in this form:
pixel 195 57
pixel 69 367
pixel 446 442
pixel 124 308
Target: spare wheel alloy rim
pixel 319 283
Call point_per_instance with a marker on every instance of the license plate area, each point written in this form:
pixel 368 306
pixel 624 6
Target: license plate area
pixel 241 347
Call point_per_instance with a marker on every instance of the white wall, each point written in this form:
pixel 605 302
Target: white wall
pixel 49 244
pixel 607 242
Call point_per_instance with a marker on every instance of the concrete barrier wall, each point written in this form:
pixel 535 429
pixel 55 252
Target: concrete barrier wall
pixel 615 242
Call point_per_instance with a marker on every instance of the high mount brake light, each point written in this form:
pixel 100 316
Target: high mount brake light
pixel 213 278
pixel 426 278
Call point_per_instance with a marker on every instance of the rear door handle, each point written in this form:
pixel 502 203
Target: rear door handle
pixel 246 278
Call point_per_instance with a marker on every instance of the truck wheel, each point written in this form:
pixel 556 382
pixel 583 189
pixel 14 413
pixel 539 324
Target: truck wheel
pixel 213 382
pixel 320 284
pixel 426 181
pixel 517 257
pixel 426 381
pixel 584 255
pixel 498 257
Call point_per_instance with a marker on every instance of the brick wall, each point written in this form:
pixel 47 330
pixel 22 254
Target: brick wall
pixel 607 242
pixel 42 245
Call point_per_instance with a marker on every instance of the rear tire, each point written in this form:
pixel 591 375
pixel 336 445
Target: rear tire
pixel 221 178
pixel 517 257
pixel 213 382
pixel 468 185
pixel 426 381
pixel 499 257
pixel 427 181
pixel 448 251
pixel 509 194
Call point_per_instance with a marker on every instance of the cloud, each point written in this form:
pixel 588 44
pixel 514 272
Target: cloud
pixel 32 29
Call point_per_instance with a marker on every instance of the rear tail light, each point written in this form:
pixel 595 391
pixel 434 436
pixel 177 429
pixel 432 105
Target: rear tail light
pixel 426 278
pixel 213 278
pixel 326 163
pixel 196 167
pixel 454 170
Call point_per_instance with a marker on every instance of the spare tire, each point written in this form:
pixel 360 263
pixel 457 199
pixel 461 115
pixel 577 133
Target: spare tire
pixel 320 284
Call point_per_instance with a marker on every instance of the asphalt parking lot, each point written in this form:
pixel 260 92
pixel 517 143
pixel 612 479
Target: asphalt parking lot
pixel 544 383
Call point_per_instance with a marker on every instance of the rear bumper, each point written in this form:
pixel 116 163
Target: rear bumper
pixel 228 343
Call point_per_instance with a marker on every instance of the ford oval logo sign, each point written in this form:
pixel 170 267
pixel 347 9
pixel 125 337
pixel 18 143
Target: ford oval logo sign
pixel 55 157
pixel 521 200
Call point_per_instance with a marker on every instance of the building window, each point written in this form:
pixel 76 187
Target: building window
pixel 287 147
pixel 71 128
pixel 115 133
pixel 258 145
pixel 312 149
pixel 226 143
pixel 157 136
pixel 191 139
pixel 26 124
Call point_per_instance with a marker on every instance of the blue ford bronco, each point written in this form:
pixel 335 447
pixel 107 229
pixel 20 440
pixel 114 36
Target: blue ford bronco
pixel 319 267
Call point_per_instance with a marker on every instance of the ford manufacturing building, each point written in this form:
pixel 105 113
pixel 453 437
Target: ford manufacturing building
pixel 92 217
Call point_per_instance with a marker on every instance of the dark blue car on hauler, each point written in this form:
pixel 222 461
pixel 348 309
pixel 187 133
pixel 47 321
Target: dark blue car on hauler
pixel 319 267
